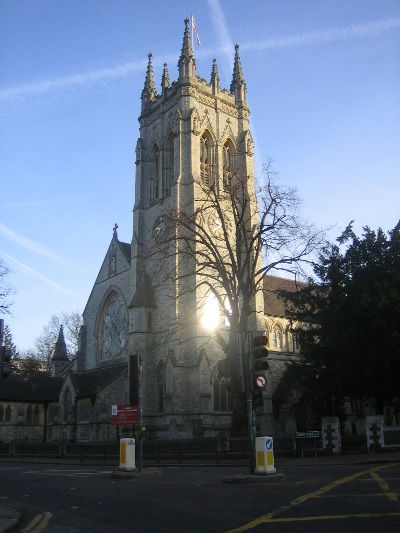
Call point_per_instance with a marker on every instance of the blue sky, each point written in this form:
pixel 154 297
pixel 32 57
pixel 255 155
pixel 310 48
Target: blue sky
pixel 323 81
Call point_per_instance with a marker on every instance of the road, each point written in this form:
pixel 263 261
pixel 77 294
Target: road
pixel 59 498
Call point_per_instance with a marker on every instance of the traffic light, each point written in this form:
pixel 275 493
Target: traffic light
pixel 260 363
pixel 5 362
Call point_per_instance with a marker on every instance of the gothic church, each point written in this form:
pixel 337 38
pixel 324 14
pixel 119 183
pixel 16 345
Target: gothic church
pixel 191 135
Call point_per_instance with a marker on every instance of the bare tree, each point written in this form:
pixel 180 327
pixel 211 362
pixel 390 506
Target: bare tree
pixel 5 290
pixel 235 235
pixel 45 343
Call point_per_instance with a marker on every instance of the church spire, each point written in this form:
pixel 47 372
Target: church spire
pixel 60 356
pixel 215 77
pixel 60 350
pixel 149 93
pixel 238 85
pixel 165 79
pixel 187 62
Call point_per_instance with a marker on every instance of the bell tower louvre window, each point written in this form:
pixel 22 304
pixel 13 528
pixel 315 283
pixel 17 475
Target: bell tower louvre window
pixel 154 176
pixel 205 160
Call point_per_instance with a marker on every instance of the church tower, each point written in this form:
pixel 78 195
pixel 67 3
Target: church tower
pixel 193 135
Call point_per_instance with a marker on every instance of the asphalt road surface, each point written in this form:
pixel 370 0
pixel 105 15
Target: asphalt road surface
pixel 59 498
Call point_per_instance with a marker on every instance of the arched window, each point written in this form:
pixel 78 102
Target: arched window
pixel 277 339
pixel 154 174
pixel 160 391
pixel 205 160
pixel 1 413
pixel 8 414
pixel 29 415
pixel 227 164
pixel 169 164
pixel 51 413
pixel 36 415
pixel 113 327
pixel 67 405
pixel 222 400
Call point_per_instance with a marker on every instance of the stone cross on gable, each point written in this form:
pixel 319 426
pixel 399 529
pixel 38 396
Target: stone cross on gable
pixel 115 230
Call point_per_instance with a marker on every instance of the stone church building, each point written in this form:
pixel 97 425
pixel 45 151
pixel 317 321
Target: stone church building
pixel 191 134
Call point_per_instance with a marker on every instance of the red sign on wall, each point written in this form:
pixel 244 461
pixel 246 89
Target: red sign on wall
pixel 124 414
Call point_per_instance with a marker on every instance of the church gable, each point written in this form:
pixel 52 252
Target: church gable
pixel 116 261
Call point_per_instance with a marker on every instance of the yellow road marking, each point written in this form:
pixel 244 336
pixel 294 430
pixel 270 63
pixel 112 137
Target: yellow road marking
pixel 38 523
pixel 385 487
pixel 270 517
pixel 331 517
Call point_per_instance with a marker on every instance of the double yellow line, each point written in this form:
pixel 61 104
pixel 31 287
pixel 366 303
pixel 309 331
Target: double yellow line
pixel 38 523
pixel 271 517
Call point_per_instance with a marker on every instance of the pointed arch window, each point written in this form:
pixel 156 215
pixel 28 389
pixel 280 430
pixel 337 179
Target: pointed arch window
pixel 8 414
pixel 169 164
pixel 160 391
pixel 36 415
pixel 154 174
pixel 29 415
pixel 205 160
pixel 228 152
pixel 67 405
pixel 222 399
pixel 277 338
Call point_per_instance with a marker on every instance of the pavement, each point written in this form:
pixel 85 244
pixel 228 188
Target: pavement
pixel 9 516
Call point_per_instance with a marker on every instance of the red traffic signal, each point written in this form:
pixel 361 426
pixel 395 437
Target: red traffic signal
pixel 260 340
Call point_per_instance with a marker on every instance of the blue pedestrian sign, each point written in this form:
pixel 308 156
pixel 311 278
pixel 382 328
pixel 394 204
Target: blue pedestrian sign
pixel 268 444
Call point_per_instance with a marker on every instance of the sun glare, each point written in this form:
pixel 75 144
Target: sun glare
pixel 211 315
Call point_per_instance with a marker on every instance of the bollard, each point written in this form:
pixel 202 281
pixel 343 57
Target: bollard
pixel 127 454
pixel 265 455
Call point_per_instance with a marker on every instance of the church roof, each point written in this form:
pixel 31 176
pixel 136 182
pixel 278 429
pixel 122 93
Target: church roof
pixel 91 382
pixel 273 304
pixel 125 249
pixel 30 389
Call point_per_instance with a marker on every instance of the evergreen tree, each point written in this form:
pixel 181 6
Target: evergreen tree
pixel 351 341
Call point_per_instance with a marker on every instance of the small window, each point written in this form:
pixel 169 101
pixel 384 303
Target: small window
pixel 8 414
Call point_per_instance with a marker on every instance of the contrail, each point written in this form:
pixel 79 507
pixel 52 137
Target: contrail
pixel 37 275
pixel 26 243
pixel 20 95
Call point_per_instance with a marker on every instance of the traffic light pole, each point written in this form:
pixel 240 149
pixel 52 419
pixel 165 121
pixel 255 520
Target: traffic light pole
pixel 249 398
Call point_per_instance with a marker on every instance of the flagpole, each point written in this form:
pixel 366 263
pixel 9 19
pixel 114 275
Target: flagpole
pixel 191 23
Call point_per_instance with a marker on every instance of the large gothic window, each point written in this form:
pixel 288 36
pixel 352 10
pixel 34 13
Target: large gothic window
pixel 227 164
pixel 206 160
pixel 169 164
pixel 154 174
pixel 113 327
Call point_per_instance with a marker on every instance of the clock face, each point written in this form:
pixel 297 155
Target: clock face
pixel 160 227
